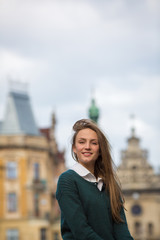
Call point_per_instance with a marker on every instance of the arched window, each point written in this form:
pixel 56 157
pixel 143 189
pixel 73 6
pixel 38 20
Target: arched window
pixel 138 228
pixel 150 229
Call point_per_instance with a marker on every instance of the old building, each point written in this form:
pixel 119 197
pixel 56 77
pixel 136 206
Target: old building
pixel 30 164
pixel 141 187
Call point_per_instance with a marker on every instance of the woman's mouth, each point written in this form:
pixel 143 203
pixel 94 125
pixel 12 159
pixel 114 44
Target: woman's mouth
pixel 87 154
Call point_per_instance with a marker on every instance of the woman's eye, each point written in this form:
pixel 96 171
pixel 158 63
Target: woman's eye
pixel 94 143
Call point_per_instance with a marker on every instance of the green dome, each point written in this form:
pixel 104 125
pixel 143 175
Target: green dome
pixel 94 111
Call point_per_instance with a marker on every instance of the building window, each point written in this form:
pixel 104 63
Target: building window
pixel 12 234
pixel 12 202
pixel 138 228
pixel 134 167
pixel 36 171
pixel 43 232
pixel 150 229
pixel 36 204
pixel 56 236
pixel 11 170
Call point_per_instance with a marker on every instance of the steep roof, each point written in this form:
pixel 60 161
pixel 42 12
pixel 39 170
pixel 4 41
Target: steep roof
pixel 19 118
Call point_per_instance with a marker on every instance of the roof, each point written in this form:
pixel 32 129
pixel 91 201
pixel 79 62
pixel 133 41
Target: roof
pixel 19 118
pixel 45 132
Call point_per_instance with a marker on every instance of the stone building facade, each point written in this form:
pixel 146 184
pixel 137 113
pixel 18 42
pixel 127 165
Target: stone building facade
pixel 141 188
pixel 30 164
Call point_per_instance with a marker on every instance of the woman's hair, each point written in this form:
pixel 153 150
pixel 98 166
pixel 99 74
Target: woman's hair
pixel 104 166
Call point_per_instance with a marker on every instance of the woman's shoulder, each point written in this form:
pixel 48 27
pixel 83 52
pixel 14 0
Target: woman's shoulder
pixel 67 178
pixel 66 182
pixel 68 174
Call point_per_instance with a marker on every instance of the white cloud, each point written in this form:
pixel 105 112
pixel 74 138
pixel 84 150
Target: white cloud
pixel 45 16
pixel 10 61
pixel 65 47
pixel 15 66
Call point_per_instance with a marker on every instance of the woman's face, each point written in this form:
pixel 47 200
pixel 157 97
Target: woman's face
pixel 86 148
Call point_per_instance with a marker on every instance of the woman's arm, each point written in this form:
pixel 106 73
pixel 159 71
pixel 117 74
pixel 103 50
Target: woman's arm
pixel 121 231
pixel 72 210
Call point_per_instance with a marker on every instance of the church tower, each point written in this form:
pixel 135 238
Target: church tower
pixel 135 171
pixel 94 111
pixel 141 188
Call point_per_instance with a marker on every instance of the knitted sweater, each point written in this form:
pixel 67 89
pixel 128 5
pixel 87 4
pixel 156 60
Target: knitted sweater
pixel 86 211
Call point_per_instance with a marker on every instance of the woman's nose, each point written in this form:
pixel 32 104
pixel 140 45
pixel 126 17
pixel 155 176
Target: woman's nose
pixel 87 145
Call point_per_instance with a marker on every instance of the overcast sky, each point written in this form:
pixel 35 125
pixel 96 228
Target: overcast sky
pixel 69 50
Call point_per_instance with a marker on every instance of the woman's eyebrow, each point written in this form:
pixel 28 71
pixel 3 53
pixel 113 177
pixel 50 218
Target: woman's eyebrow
pixel 93 139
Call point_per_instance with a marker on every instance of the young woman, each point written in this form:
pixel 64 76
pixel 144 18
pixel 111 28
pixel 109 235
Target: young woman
pixel 89 194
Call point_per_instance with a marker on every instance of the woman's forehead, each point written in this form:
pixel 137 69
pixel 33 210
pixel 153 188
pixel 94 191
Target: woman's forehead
pixel 87 133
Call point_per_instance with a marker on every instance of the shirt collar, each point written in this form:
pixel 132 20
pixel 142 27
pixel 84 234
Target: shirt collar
pixel 87 175
pixel 81 170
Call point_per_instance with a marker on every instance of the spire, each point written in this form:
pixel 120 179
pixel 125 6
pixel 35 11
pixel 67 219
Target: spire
pixel 93 111
pixel 52 130
pixel 133 140
pixel 132 118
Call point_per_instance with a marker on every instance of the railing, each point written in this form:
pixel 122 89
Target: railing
pixel 39 184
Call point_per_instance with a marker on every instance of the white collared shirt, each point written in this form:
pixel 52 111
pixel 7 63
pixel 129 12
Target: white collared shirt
pixel 87 175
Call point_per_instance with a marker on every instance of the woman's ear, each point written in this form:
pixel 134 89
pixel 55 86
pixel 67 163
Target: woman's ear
pixel 74 149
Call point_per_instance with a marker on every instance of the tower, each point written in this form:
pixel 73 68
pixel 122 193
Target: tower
pixel 141 188
pixel 93 111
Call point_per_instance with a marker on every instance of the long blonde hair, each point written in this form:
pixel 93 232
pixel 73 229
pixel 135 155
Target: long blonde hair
pixel 104 166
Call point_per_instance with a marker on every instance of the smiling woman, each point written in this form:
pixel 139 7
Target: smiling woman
pixel 86 148
pixel 89 193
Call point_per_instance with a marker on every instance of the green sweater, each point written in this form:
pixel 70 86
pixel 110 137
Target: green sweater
pixel 86 211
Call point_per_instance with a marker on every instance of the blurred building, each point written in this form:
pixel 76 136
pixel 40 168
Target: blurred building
pixel 140 185
pixel 141 188
pixel 30 164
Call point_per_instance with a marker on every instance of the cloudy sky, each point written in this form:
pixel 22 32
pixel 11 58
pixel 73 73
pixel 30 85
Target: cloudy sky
pixel 68 51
